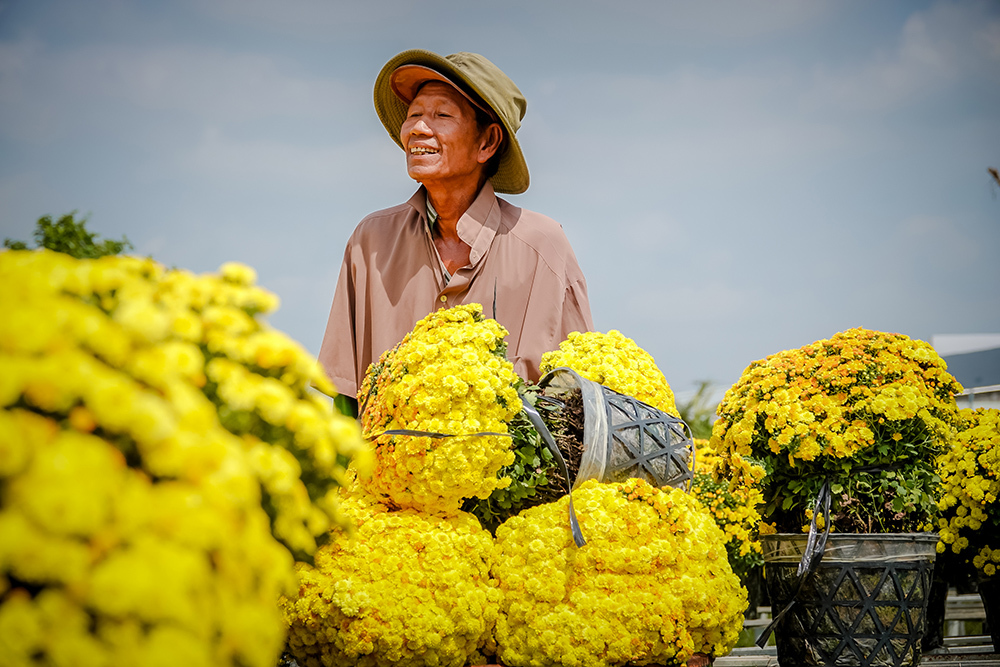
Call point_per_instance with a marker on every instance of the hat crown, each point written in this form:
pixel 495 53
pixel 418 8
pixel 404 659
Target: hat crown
pixel 492 85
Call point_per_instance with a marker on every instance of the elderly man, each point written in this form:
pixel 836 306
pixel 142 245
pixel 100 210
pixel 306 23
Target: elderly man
pixel 454 241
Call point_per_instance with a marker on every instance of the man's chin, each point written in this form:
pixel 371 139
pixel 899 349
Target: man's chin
pixel 420 175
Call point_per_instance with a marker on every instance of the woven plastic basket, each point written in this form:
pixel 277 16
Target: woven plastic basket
pixel 624 437
pixel 864 604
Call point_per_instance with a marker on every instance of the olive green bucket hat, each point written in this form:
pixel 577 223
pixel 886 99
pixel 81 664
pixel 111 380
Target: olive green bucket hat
pixel 482 82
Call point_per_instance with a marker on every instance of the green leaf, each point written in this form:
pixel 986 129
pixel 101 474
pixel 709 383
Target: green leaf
pixel 70 236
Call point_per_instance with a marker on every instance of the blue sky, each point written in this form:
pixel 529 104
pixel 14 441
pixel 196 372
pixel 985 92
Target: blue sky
pixel 736 178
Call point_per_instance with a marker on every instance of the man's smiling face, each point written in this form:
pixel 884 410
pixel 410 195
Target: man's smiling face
pixel 440 135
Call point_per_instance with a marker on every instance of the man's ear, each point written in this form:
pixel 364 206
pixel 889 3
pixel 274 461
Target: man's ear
pixel 490 142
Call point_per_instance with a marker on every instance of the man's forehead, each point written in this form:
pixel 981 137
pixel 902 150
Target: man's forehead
pixel 433 89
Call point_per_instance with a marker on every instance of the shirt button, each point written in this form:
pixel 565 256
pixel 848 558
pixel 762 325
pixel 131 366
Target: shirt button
pixel 444 299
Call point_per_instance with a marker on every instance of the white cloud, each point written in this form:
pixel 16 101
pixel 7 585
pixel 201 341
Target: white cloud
pixel 210 83
pixel 685 126
pixel 937 50
pixel 696 21
pixel 330 19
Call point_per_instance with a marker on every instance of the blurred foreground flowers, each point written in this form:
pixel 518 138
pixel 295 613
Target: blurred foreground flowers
pixel 162 458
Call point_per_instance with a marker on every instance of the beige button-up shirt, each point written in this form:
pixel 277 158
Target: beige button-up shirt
pixel 521 269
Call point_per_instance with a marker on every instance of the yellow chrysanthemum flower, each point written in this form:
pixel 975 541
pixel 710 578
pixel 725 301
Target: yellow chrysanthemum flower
pixel 970 486
pixel 616 362
pixel 405 588
pixel 861 399
pixel 652 584
pixel 133 527
pixel 447 376
pixel 734 507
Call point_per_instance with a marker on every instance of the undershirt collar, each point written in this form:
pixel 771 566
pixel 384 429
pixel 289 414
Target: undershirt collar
pixel 432 217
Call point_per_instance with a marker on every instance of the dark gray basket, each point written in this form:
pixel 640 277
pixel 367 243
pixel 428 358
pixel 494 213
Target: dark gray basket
pixel 864 604
pixel 624 437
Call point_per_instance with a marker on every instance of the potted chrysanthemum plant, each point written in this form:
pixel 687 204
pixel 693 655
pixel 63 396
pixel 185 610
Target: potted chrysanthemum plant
pixel 848 430
pixel 611 415
pixel 410 584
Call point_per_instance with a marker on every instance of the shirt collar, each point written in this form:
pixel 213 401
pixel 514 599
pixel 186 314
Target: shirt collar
pixel 480 223
pixel 477 227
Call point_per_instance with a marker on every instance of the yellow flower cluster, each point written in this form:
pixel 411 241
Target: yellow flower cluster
pixel 448 376
pixel 616 362
pixel 735 508
pixel 408 588
pixel 836 397
pixel 652 584
pixel 866 412
pixel 970 486
pixel 132 527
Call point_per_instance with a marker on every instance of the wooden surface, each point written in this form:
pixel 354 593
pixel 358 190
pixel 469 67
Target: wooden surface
pixel 961 649
pixel 957 652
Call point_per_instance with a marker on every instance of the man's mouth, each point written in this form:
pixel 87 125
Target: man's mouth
pixel 422 150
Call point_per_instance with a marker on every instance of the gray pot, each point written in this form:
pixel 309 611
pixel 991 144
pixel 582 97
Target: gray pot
pixel 624 437
pixel 864 604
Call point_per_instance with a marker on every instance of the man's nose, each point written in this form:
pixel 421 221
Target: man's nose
pixel 420 128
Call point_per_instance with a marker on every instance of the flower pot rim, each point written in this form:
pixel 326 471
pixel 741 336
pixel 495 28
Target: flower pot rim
pixel 788 548
pixel 842 536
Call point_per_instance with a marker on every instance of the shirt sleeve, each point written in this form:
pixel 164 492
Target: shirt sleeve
pixel 337 353
pixel 576 310
pixel 550 321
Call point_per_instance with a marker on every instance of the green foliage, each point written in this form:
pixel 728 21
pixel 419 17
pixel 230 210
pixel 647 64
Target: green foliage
pixel 707 489
pixel 886 488
pixel 699 412
pixel 346 405
pixel 70 236
pixel 530 473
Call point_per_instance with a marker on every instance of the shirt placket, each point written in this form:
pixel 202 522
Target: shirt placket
pixel 456 287
pixel 446 287
pixel 452 290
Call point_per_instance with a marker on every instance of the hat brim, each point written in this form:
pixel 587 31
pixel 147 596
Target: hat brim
pixel 406 81
pixel 512 172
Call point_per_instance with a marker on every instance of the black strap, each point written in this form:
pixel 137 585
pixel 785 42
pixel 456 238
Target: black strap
pixel 813 554
pixel 432 434
pixel 536 421
pixel 539 424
